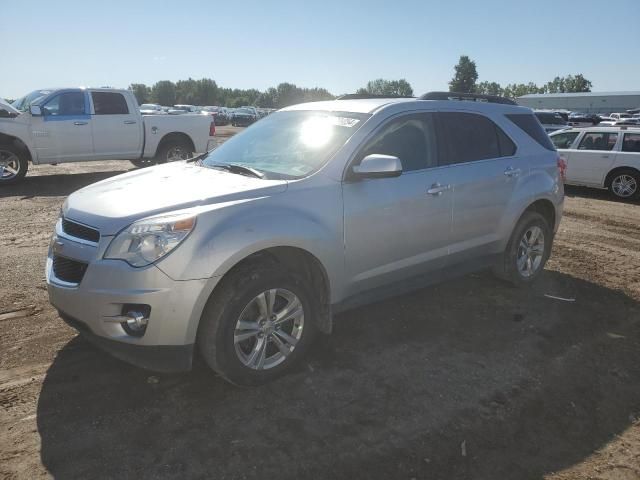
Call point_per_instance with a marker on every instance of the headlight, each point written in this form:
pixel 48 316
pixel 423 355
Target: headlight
pixel 146 241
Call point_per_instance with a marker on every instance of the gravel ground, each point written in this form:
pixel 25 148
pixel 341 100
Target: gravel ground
pixel 470 379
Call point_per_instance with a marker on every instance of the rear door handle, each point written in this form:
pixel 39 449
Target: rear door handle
pixel 129 122
pixel 605 156
pixel 512 172
pixel 436 189
pixel 80 123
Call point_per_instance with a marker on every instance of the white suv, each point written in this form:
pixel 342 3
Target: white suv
pixel 602 157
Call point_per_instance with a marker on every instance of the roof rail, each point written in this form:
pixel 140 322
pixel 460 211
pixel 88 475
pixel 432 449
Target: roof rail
pixel 472 97
pixel 361 96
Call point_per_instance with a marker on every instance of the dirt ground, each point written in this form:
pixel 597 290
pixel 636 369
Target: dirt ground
pixel 470 379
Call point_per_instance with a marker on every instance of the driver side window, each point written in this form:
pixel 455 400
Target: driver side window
pixel 411 138
pixel 69 103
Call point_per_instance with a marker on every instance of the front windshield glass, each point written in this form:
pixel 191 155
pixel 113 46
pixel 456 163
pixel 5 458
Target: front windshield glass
pixel 291 144
pixel 25 102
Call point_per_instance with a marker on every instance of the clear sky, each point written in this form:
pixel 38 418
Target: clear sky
pixel 339 45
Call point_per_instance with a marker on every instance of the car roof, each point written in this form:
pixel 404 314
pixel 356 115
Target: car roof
pixel 372 105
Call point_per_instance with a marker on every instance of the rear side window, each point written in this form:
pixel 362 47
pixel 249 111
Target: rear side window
pixel 631 142
pixel 468 137
pixel 598 141
pixel 529 124
pixel 109 103
pixel 564 140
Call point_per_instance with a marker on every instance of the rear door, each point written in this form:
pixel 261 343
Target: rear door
pixel 480 157
pixel 117 126
pixel 63 132
pixel 394 228
pixel 593 158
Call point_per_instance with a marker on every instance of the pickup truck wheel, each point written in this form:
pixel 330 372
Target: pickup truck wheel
pixel 13 165
pixel 257 325
pixel 625 184
pixel 527 251
pixel 173 151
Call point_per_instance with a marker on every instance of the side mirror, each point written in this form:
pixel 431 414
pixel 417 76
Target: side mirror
pixel 35 110
pixel 378 166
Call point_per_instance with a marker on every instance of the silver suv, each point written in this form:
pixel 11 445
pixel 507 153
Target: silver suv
pixel 249 250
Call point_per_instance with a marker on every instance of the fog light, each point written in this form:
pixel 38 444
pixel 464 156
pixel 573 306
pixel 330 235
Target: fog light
pixel 137 319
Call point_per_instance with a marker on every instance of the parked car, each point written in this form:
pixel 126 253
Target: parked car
pixel 583 120
pixel 602 157
pixel 620 116
pixel 151 109
pixel 220 114
pixel 74 124
pixel 7 110
pixel 181 109
pixel 627 122
pixel 551 121
pixel 246 253
pixel 243 117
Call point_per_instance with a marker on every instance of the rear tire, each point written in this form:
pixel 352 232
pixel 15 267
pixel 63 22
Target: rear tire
pixel 239 308
pixel 13 165
pixel 173 151
pixel 625 184
pixel 527 252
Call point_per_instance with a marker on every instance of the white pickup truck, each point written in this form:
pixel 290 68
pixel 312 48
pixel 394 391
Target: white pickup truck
pixel 80 124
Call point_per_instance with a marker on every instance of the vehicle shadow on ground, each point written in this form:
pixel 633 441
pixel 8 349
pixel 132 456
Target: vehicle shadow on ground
pixel 61 184
pixel 468 379
pixel 595 194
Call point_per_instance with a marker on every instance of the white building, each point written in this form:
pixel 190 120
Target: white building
pixel 588 102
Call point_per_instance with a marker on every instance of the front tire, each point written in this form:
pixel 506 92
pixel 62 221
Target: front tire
pixel 13 165
pixel 527 252
pixel 625 184
pixel 258 323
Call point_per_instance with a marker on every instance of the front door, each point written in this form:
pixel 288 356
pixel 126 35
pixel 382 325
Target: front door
pixel 63 132
pixel 394 228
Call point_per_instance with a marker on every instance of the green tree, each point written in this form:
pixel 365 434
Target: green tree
pixel 464 79
pixel 516 90
pixel 380 86
pixel 164 93
pixel 141 92
pixel 569 83
pixel 489 88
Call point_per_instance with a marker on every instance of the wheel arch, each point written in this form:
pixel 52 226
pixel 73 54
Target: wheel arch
pixel 545 208
pixel 614 171
pixel 6 139
pixel 292 257
pixel 175 136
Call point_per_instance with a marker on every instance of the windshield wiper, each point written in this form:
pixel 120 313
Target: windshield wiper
pixel 198 158
pixel 239 169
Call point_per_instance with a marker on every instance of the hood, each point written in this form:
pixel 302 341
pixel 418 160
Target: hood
pixel 6 106
pixel 114 203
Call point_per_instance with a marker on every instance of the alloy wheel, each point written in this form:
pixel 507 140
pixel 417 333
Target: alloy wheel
pixel 624 186
pixel 177 153
pixel 9 165
pixel 530 251
pixel 268 329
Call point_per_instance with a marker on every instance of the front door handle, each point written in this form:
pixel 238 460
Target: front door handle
pixel 512 172
pixel 129 122
pixel 605 156
pixel 436 189
pixel 80 123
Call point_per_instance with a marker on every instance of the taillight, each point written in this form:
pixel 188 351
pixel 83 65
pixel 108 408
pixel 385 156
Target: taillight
pixel 562 168
pixel 212 129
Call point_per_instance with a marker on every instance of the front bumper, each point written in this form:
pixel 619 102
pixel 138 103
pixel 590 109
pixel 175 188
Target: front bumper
pixel 107 286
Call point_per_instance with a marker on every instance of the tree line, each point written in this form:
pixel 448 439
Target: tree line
pixel 466 76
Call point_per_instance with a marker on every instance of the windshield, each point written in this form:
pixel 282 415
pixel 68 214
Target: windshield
pixel 25 102
pixel 290 144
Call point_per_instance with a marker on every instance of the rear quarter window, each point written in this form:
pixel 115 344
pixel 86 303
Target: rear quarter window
pixel 528 123
pixel 109 103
